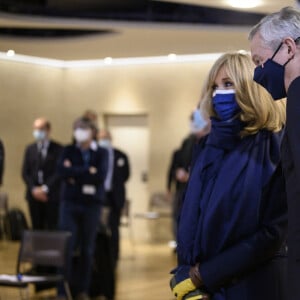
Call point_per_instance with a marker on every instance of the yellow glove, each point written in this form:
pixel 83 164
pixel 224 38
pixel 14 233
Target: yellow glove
pixel 183 288
pixel 196 295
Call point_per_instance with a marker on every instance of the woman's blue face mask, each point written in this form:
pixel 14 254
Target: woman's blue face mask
pixel 224 104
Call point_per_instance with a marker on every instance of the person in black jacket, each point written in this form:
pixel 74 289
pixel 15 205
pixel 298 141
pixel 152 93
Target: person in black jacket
pixel 181 162
pixel 39 174
pixel 275 49
pixel 117 175
pixel 83 171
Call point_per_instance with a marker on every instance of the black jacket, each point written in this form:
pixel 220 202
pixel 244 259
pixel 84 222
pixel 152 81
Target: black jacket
pixel 32 164
pixel 78 176
pixel 121 173
pixel 291 166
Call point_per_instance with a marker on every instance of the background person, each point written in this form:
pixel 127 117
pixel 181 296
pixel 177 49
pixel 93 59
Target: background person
pixel 232 227
pixel 275 49
pixel 115 188
pixel 39 174
pixel 179 169
pixel 83 170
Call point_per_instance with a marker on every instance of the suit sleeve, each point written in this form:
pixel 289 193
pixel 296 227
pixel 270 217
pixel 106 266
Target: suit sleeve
pixel 293 131
pixel 127 168
pixel 2 159
pixel 252 251
pixel 26 170
pixel 81 174
pixel 54 178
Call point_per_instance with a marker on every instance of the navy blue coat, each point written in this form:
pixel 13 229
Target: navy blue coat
pixel 234 215
pixel 78 175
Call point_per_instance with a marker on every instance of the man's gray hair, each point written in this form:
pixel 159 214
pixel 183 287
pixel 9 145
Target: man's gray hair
pixel 274 28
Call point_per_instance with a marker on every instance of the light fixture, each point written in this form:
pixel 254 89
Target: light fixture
pixel 244 3
pixel 10 53
pixel 172 56
pixel 107 60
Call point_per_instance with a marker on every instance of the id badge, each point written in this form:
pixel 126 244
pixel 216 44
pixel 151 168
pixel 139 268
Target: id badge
pixel 88 189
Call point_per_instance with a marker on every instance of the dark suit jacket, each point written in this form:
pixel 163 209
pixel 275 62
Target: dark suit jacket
pixel 78 175
pixel 31 165
pixel 291 165
pixel 2 156
pixel 121 173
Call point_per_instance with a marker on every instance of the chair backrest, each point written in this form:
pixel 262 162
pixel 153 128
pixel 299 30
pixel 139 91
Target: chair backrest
pixel 159 202
pixel 44 248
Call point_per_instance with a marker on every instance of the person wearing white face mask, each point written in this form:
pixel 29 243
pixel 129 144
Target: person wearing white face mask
pixel 82 169
pixel 40 177
pixel 178 172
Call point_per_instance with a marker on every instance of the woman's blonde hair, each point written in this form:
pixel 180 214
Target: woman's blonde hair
pixel 258 109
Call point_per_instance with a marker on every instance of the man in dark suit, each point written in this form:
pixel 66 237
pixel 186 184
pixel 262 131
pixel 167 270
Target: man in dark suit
pixel 40 177
pixel 117 175
pixel 275 49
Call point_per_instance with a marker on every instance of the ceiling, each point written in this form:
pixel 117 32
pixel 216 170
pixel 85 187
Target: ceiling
pixel 95 29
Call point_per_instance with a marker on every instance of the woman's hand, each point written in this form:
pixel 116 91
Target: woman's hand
pixel 196 276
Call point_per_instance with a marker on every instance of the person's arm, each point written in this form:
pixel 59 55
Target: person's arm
pixel 171 170
pixel 2 158
pixel 252 251
pixel 68 170
pixel 293 125
pixel 126 168
pixel 53 178
pixel 26 170
pixel 97 171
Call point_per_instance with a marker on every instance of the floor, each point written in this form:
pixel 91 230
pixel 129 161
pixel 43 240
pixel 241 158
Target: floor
pixel 143 271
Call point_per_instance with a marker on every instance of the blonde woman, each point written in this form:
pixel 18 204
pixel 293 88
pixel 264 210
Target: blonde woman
pixel 232 229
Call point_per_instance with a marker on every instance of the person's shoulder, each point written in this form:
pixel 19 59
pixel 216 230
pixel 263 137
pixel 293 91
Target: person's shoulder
pixel 69 148
pixel 56 144
pixel 31 146
pixel 120 152
pixel 101 150
pixel 294 86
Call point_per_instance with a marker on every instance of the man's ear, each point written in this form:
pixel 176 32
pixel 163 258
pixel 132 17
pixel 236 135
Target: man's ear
pixel 291 46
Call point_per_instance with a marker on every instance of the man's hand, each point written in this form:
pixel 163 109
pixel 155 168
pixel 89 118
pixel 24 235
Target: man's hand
pixel 67 163
pixel 39 194
pixel 181 175
pixel 93 170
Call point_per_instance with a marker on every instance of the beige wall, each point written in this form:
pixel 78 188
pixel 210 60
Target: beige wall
pixel 166 93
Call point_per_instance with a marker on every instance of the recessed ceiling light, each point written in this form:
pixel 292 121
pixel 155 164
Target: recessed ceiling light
pixel 172 56
pixel 10 53
pixel 244 3
pixel 108 60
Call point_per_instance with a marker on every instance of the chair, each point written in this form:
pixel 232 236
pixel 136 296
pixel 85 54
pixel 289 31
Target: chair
pixel 160 211
pixel 40 248
pixel 160 204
